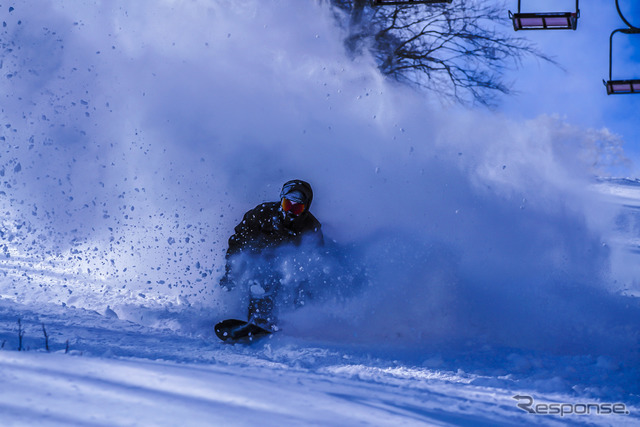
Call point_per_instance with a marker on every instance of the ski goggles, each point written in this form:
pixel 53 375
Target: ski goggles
pixel 294 208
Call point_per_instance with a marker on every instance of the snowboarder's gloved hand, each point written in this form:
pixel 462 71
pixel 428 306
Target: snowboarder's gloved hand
pixel 257 290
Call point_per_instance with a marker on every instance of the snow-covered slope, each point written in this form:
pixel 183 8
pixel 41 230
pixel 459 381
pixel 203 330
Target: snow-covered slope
pixel 113 372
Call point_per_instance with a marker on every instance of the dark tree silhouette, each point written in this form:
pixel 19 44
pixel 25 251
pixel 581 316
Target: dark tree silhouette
pixel 459 50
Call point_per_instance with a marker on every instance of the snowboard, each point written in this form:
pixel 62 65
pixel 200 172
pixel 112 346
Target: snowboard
pixel 239 331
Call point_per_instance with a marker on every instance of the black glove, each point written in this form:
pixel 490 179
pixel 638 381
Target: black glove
pixel 226 282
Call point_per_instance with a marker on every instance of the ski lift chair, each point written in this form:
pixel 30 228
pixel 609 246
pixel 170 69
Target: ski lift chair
pixel 545 20
pixel 404 2
pixel 616 87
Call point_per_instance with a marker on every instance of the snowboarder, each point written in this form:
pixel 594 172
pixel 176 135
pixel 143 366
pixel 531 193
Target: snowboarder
pixel 263 229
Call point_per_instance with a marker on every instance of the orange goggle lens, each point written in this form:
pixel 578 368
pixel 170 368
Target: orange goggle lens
pixel 294 208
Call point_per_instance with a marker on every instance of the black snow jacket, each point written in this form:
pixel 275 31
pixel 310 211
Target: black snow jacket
pixel 264 227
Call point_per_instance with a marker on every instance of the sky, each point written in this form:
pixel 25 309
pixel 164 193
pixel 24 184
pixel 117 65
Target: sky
pixel 136 134
pixel 574 89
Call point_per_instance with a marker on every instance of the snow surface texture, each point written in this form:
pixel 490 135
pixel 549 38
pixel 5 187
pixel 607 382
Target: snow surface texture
pixel 475 257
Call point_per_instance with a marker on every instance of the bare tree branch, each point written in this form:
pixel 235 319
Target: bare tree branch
pixel 460 51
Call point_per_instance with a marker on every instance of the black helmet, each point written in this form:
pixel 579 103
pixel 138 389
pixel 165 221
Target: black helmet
pixel 297 191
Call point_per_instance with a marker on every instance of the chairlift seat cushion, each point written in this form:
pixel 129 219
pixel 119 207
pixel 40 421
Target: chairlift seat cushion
pixel 615 87
pixel 402 2
pixel 545 21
